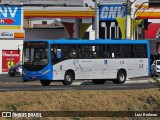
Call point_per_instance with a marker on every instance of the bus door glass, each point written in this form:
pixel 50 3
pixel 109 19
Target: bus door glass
pixel 56 58
pixel 56 54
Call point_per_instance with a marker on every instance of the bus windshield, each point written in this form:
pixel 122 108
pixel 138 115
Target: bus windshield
pixel 35 57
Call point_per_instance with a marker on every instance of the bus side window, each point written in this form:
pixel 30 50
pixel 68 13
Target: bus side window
pixel 73 52
pixel 53 53
pixel 125 51
pixel 105 53
pixel 114 51
pixel 58 54
pixel 140 51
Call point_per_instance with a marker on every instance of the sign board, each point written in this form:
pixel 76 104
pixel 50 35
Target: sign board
pixel 6 34
pixel 9 58
pixel 111 11
pixel 109 26
pixel 11 17
pixel 11 34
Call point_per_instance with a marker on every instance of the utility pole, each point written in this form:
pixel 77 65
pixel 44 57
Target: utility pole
pixel 128 20
pixel 96 20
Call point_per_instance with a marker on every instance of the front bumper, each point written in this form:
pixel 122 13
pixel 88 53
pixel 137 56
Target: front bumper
pixel 36 75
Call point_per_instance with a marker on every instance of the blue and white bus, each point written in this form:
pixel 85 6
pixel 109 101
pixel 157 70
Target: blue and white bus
pixel 97 60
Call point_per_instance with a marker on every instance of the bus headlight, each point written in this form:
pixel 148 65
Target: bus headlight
pixel 46 72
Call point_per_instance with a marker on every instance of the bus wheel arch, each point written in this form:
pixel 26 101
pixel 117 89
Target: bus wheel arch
pixel 121 76
pixel 68 77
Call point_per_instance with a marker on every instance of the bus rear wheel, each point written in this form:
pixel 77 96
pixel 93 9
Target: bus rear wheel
pixel 45 82
pixel 68 78
pixel 96 81
pixel 121 77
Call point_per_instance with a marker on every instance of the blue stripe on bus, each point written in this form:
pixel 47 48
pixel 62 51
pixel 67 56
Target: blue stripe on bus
pixel 98 41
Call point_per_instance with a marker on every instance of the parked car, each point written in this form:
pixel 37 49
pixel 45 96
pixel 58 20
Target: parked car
pixel 155 68
pixel 16 69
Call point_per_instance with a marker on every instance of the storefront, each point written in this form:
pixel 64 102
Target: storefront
pixel 10 49
pixel 11 36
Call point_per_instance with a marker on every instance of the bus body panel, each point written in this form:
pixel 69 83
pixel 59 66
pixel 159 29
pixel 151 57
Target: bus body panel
pixel 134 67
pixel 101 68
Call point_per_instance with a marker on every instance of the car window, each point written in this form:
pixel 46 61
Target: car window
pixel 158 62
pixel 154 63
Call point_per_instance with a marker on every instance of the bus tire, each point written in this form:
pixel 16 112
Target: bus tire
pixel 68 78
pixel 121 77
pixel 96 81
pixel 45 82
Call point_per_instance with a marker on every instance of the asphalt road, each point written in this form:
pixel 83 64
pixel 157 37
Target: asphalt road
pixel 8 83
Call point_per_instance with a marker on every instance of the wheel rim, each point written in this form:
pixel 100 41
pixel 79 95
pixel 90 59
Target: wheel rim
pixel 68 78
pixel 121 77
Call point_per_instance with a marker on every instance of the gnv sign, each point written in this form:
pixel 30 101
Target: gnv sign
pixel 11 15
pixel 110 12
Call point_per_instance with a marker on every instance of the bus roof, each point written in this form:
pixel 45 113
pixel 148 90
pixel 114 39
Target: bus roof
pixel 97 41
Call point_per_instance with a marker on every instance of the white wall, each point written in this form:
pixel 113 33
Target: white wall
pixel 9 45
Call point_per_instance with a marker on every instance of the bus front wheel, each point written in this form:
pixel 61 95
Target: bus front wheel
pixel 68 78
pixel 121 77
pixel 45 82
